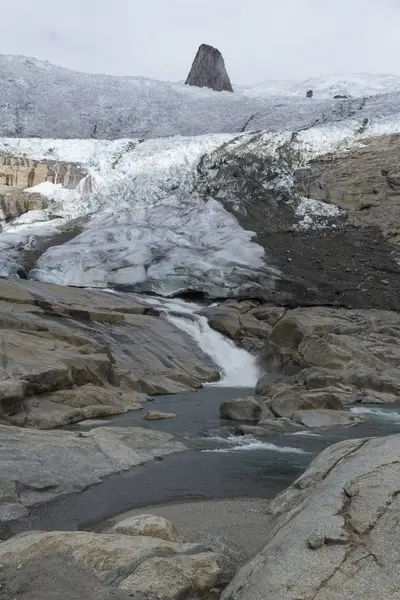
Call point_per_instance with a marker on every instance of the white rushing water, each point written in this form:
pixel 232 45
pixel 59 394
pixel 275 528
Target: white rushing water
pixel 384 413
pixel 238 367
pixel 248 442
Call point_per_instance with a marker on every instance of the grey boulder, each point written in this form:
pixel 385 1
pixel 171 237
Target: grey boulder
pixel 243 409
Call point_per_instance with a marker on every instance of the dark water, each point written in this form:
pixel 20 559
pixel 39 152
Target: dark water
pixel 217 464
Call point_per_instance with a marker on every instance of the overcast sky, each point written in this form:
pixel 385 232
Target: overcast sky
pixel 260 39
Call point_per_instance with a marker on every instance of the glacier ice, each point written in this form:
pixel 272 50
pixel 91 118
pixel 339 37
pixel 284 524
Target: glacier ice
pixel 150 225
pixel 165 247
pixel 41 99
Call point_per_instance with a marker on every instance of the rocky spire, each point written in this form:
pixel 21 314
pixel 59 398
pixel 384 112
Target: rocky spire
pixel 208 70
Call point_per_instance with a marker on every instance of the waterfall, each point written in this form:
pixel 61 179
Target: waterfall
pixel 237 366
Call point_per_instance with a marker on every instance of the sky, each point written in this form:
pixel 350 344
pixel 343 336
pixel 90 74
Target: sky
pixel 259 39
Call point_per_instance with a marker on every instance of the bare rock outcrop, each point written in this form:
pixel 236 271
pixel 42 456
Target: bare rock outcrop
pixel 23 172
pixel 348 356
pixel 119 565
pixel 67 355
pixel 208 70
pixel 18 173
pixel 318 361
pixel 363 181
pixel 39 466
pixel 334 533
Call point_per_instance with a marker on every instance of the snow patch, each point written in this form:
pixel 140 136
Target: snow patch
pixel 316 214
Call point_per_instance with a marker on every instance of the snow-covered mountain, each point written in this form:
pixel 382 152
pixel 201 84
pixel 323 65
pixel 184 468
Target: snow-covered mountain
pixel 41 99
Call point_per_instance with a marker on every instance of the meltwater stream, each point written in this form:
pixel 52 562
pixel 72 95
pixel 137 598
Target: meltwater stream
pixel 237 366
pixel 218 463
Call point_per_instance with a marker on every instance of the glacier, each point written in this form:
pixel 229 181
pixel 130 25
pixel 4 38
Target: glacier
pixel 39 99
pixel 162 213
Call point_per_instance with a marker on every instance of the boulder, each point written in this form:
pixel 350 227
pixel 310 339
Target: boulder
pixel 155 415
pixel 136 564
pixel 269 314
pixel 334 533
pixel 243 409
pixel 325 418
pixel 147 525
pixel 208 70
pixel 254 430
pixel 286 403
pixel 174 578
pixel 229 555
pixel 267 426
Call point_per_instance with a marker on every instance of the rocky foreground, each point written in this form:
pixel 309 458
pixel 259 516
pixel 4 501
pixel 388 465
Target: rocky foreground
pixel 69 355
pixel 334 533
pixel 144 558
